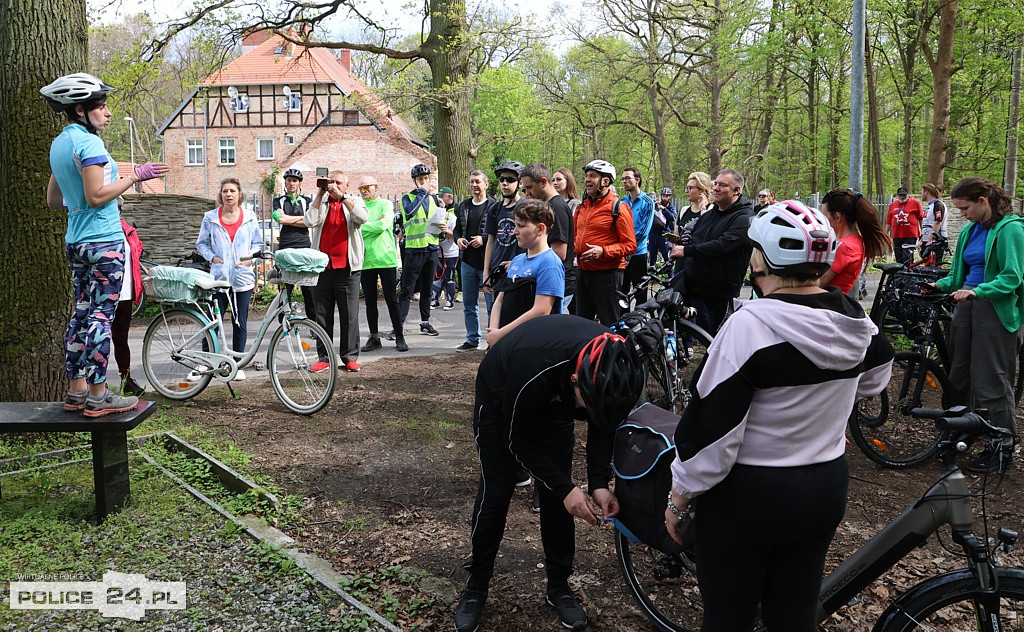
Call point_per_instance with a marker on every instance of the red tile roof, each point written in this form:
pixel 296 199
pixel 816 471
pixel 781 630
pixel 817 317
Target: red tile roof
pixel 297 64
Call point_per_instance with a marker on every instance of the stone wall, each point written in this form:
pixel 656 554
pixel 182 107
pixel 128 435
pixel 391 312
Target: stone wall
pixel 168 225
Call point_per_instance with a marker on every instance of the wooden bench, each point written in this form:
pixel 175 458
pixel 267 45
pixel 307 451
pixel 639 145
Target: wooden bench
pixel 109 443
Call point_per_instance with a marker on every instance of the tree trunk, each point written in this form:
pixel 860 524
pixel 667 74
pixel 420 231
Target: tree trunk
pixel 1013 124
pixel 942 75
pixel 45 39
pixel 874 141
pixel 660 142
pixel 715 122
pixel 771 101
pixel 812 122
pixel 447 52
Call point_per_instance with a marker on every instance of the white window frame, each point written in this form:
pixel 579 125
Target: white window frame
pixel 223 147
pixel 194 145
pixel 259 141
pixel 295 101
pixel 240 104
pixel 289 139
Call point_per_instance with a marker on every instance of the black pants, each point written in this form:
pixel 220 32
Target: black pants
pixel 308 299
pixel 339 287
pixel 711 311
pixel 498 468
pixel 761 537
pixel 597 295
pixel 635 270
pixel 119 329
pixel 903 255
pixel 388 280
pixel 417 276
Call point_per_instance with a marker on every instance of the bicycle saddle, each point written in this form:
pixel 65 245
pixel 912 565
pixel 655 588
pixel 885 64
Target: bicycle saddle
pixel 888 266
pixel 211 284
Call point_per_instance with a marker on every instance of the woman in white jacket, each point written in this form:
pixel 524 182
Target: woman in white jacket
pixel 228 233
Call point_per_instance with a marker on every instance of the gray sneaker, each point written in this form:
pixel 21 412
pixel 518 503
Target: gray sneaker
pixel 75 402
pixel 109 404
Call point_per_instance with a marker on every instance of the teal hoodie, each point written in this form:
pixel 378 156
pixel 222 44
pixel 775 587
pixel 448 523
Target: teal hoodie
pixel 1004 270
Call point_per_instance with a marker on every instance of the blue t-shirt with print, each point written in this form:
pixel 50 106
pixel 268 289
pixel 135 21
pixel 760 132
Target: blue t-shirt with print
pixel 501 224
pixel 71 152
pixel 974 256
pixel 548 271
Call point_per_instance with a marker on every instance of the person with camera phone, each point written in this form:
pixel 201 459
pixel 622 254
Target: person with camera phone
pixel 335 219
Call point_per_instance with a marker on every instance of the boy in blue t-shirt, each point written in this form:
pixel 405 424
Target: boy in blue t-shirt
pixel 537 274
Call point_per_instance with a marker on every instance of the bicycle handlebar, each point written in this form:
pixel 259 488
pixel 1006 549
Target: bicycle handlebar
pixel 959 420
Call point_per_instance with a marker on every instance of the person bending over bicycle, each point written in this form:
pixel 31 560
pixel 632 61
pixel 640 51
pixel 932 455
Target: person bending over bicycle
pixel 762 441
pixel 529 388
pixel 985 335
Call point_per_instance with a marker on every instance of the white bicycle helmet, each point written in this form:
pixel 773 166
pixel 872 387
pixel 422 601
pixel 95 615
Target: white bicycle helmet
pixel 70 90
pixel 603 167
pixel 796 239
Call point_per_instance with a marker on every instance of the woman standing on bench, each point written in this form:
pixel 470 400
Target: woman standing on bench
pixel 84 179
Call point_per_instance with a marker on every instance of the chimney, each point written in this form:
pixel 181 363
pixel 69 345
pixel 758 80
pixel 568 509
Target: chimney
pixel 345 57
pixel 254 37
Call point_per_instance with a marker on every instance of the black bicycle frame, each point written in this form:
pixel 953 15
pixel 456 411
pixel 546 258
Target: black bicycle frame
pixel 947 502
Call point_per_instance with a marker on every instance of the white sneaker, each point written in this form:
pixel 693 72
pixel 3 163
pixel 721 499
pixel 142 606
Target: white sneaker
pixel 240 375
pixel 196 374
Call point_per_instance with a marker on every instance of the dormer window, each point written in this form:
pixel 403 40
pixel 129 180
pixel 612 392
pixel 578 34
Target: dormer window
pixel 279 49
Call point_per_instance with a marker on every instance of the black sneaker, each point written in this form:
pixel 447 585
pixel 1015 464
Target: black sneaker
pixel 523 478
pixel 569 609
pixel 427 329
pixel 467 347
pixel 471 606
pixel 131 387
pixel 401 345
pixel 989 461
pixel 536 500
pixel 372 344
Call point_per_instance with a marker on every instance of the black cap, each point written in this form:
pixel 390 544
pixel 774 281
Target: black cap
pixel 902 191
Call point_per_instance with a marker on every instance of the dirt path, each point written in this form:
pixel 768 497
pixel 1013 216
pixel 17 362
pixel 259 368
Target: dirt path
pixel 389 475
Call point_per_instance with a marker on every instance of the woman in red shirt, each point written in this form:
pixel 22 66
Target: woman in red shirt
pixel 861 236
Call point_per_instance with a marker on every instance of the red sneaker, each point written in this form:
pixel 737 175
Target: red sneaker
pixel 352 366
pixel 320 367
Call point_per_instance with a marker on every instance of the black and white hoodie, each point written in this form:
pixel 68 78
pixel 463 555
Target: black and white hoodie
pixel 777 387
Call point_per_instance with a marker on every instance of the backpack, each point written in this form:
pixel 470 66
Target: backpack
pixel 642 461
pixel 520 295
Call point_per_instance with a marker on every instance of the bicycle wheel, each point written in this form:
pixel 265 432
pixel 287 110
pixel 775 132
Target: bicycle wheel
pixel 947 603
pixel 664 586
pixel 883 428
pixel 692 342
pixel 170 333
pixel 292 353
pixel 655 391
pixel 1018 382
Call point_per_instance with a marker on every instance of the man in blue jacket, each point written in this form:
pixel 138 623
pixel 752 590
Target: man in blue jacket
pixel 643 217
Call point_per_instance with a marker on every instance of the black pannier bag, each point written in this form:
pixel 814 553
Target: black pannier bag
pixel 642 461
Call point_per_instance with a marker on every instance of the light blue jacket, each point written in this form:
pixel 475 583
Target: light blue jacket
pixel 214 242
pixel 643 217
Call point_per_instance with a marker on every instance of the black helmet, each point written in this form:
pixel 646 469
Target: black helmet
pixel 293 173
pixel 610 377
pixel 420 170
pixel 666 191
pixel 510 165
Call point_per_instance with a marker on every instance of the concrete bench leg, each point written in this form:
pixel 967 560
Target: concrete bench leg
pixel 110 472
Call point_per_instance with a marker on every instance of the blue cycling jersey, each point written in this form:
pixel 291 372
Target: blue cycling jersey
pixel 71 152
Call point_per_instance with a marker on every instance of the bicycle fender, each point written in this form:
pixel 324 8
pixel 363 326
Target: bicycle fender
pixel 202 318
pixel 939 582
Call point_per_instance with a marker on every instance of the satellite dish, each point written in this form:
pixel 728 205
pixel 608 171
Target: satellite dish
pixel 287 91
pixel 233 92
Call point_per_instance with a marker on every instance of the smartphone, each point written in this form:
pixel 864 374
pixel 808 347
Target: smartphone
pixel 321 183
pixel 672 238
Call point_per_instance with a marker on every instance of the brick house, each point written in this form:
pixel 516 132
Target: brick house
pixel 285 105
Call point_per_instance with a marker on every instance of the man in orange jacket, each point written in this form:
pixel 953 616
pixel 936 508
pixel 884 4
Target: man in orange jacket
pixel 604 241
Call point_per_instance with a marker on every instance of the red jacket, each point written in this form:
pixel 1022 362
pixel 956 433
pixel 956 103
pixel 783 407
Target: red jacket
pixel 132 237
pixel 593 224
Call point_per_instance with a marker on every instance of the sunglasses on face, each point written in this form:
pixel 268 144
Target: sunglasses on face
pixel 507 179
pixel 761 195
pixel 366 188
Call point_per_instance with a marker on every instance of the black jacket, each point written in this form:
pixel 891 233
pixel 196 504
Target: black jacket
pixel 719 252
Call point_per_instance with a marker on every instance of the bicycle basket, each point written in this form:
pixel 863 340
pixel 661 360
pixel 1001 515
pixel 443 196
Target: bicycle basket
pixel 169 284
pixel 306 260
pixel 903 307
pixel 642 461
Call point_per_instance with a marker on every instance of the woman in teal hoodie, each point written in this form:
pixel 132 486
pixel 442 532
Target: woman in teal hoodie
pixel 987 279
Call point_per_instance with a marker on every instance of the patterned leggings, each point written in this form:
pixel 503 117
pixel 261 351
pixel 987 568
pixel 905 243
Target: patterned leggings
pixel 96 273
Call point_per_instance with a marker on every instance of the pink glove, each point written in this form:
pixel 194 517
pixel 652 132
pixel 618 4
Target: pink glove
pixel 148 171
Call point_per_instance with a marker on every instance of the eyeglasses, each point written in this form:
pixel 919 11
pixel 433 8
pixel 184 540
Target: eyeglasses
pixel 624 178
pixel 690 188
pixel 366 188
pixel 507 179
pixel 762 195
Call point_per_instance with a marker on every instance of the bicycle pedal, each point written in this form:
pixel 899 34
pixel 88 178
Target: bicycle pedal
pixel 257 366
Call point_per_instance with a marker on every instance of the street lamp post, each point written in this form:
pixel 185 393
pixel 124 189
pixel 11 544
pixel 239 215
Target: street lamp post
pixel 131 145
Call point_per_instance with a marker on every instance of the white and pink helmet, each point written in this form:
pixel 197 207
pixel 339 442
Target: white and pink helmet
pixel 795 239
